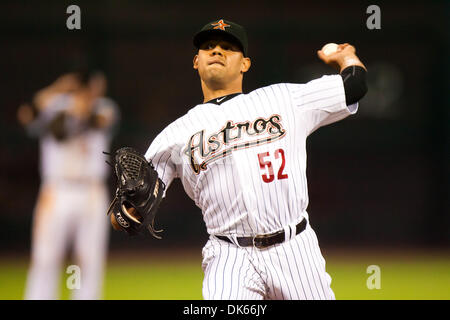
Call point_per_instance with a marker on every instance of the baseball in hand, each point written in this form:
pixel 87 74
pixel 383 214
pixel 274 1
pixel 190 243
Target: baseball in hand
pixel 329 48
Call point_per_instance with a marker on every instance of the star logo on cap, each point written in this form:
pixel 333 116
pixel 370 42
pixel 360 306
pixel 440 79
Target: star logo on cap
pixel 220 25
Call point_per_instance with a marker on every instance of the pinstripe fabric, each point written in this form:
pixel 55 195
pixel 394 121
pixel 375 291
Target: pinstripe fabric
pixel 243 163
pixel 293 270
pixel 231 273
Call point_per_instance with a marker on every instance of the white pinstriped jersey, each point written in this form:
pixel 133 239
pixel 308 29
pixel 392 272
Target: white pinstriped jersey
pixel 243 162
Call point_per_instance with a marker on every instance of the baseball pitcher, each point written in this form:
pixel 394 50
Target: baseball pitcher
pixel 241 158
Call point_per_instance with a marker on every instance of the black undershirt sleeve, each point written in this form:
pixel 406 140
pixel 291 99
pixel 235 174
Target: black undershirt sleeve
pixel 355 84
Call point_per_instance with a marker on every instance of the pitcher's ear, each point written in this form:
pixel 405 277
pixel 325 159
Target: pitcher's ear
pixel 246 63
pixel 195 62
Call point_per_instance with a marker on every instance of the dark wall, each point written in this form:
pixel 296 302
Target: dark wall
pixel 380 177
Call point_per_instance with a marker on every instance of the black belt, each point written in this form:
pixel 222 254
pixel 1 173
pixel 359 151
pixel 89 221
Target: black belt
pixel 266 240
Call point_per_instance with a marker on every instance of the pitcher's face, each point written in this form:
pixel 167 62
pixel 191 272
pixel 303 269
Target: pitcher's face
pixel 220 61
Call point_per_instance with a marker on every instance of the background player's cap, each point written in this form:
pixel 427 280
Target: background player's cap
pixel 230 30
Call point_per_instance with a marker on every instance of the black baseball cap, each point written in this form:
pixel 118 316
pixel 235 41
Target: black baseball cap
pixel 227 29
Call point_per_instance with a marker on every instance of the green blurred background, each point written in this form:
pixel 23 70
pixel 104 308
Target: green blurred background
pixel 409 275
pixel 379 194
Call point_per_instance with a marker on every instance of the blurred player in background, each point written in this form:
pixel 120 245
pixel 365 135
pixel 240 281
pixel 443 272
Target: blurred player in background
pixel 74 123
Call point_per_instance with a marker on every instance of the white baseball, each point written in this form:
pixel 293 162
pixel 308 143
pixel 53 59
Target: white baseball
pixel 329 48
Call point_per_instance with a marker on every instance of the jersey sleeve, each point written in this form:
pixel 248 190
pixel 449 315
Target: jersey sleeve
pixel 57 104
pixel 107 108
pixel 321 101
pixel 164 152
